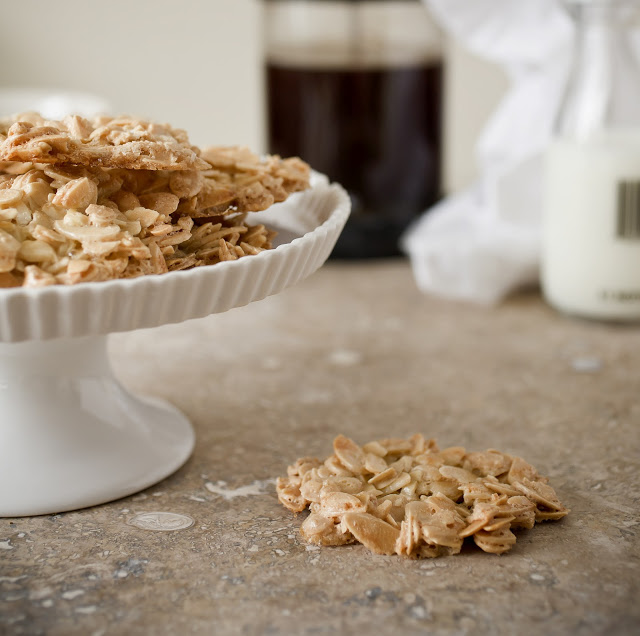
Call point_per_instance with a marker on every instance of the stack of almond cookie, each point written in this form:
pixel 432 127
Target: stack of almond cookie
pixel 113 198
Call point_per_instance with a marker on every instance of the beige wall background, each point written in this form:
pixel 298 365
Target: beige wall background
pixel 197 64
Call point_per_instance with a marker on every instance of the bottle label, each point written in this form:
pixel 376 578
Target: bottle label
pixel 620 295
pixel 628 210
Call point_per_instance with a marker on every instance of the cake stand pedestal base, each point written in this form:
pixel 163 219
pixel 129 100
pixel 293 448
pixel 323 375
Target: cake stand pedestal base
pixel 71 436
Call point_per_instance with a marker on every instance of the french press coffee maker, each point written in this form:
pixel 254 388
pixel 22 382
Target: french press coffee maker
pixel 355 89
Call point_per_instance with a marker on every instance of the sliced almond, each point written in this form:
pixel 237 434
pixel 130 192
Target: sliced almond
pixel 349 453
pixel 377 535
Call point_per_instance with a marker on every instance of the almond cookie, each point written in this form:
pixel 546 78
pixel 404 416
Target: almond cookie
pixel 88 201
pixel 240 181
pixel 70 224
pixel 408 497
pixel 106 142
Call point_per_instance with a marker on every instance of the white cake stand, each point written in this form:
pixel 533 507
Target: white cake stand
pixel 70 435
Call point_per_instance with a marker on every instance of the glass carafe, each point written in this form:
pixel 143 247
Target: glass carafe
pixel 355 89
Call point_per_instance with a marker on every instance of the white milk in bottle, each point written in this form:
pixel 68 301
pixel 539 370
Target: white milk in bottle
pixel 591 218
pixel 591 228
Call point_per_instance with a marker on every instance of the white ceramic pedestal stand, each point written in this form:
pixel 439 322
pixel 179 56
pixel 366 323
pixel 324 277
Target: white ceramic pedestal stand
pixel 70 435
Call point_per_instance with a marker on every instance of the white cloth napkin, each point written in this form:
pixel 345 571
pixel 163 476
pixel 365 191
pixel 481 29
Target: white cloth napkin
pixel 483 243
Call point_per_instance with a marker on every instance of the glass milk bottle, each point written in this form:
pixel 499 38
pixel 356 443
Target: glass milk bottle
pixel 354 87
pixel 591 221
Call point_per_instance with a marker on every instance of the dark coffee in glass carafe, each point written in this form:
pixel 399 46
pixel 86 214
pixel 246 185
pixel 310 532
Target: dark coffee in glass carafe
pixel 355 89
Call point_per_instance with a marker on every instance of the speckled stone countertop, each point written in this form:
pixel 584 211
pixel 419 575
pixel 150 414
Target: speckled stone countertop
pixel 354 349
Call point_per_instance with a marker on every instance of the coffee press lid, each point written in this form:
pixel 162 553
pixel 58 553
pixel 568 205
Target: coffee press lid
pixel 351 1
